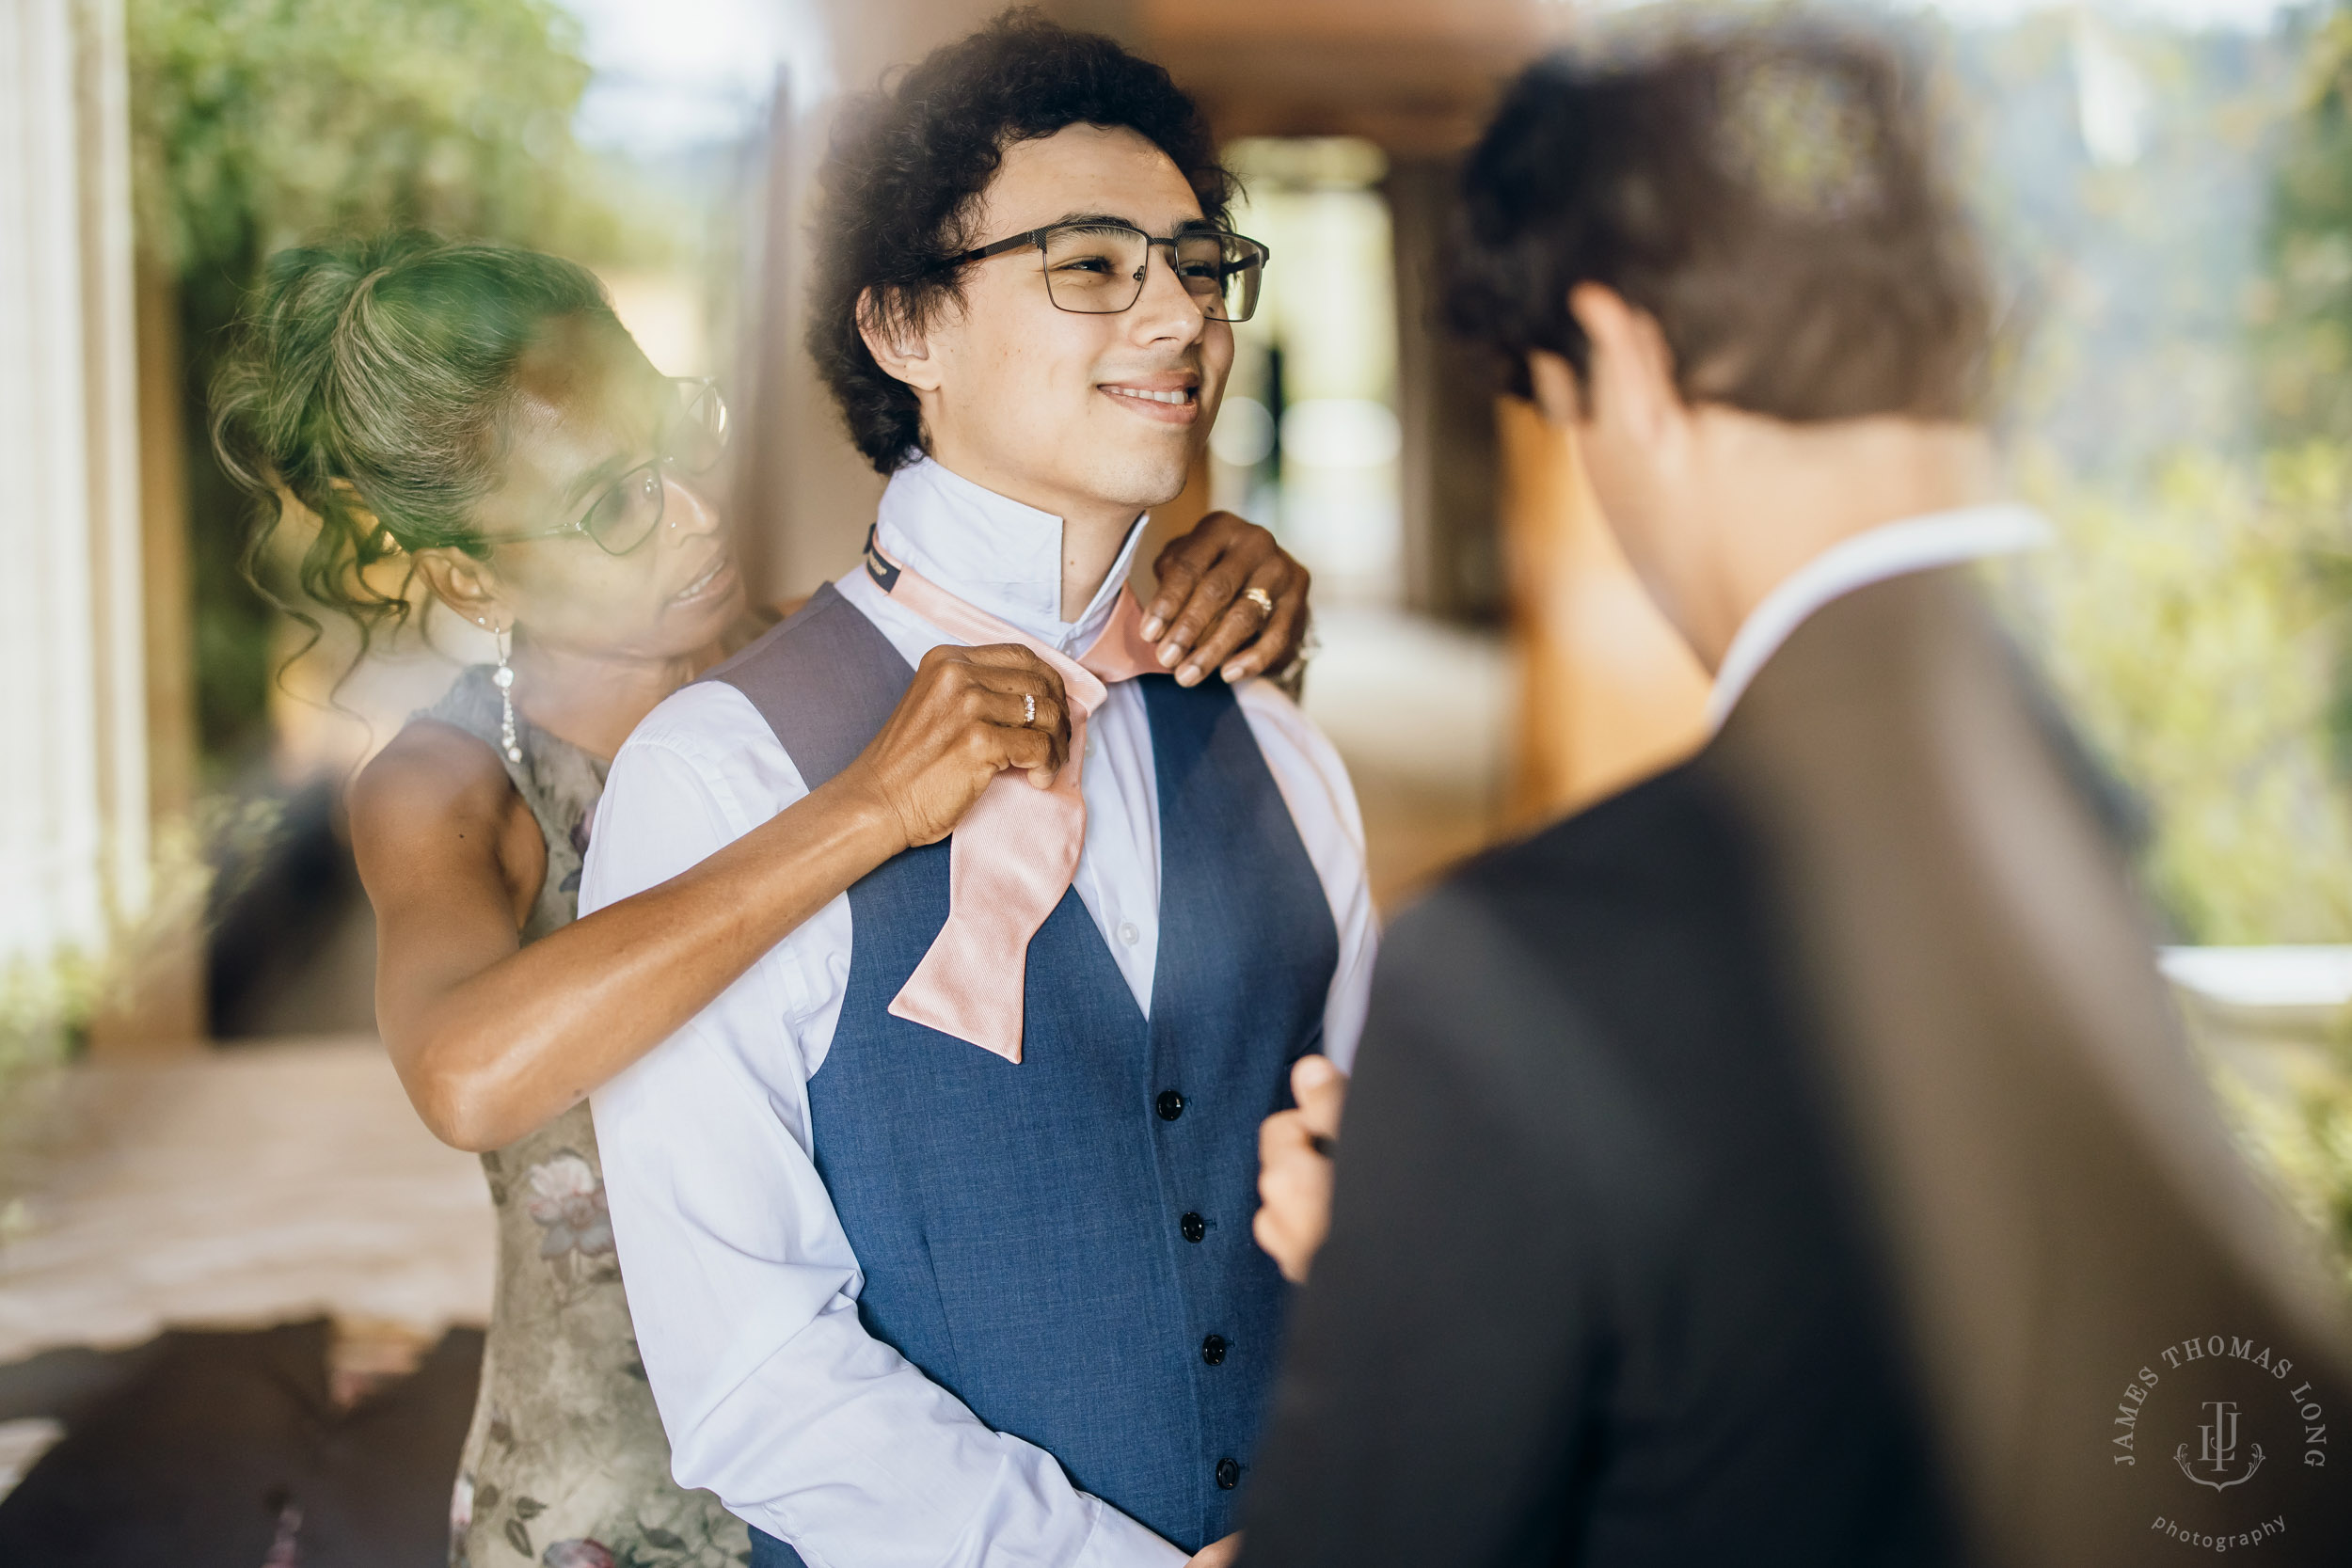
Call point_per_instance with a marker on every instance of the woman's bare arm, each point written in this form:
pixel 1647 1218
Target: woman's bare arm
pixel 493 1040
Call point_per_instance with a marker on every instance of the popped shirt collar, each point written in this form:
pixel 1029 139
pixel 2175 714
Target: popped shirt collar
pixel 993 552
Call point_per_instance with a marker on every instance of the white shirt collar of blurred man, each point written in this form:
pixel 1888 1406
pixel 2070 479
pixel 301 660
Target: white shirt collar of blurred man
pixel 1919 544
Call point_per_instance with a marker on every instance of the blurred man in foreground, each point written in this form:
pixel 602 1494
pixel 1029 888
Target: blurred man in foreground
pixel 1792 1158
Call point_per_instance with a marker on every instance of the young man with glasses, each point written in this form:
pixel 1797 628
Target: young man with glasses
pixel 937 1227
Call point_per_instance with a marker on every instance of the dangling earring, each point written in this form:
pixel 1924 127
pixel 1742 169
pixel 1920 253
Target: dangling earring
pixel 504 678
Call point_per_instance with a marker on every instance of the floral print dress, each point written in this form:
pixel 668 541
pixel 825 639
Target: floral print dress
pixel 565 1465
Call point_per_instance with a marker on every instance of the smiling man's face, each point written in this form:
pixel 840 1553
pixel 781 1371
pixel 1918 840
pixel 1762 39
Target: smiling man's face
pixel 1094 417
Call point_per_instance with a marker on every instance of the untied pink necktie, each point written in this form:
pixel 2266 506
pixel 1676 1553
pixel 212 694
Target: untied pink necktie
pixel 1011 858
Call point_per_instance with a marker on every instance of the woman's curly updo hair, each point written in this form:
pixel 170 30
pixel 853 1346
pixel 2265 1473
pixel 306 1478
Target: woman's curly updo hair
pixel 368 386
pixel 906 169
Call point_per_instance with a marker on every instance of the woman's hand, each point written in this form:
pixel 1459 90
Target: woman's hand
pixel 1200 617
pixel 492 1039
pixel 970 714
pixel 1294 1167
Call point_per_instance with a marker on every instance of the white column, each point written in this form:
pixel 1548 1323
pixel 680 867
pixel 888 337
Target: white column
pixel 73 808
pixel 111 398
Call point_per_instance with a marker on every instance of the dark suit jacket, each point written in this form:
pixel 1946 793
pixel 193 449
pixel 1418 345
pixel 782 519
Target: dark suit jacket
pixel 1793 1158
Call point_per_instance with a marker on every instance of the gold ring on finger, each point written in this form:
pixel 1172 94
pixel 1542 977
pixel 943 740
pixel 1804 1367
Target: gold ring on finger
pixel 1264 600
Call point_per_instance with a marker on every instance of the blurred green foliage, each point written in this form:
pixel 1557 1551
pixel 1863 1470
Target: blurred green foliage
pixel 2288 1101
pixel 2202 621
pixel 2191 614
pixel 2304 311
pixel 2304 366
pixel 2195 625
pixel 2184 415
pixel 2306 1142
pixel 261 123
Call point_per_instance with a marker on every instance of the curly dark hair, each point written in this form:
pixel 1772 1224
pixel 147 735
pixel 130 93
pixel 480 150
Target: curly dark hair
pixel 1769 190
pixel 367 388
pixel 906 171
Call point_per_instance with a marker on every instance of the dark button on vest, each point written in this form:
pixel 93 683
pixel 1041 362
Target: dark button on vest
pixel 1193 1227
pixel 1170 1104
pixel 1228 1474
pixel 1213 1350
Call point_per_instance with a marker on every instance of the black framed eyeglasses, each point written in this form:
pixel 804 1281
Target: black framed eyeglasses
pixel 1096 267
pixel 625 512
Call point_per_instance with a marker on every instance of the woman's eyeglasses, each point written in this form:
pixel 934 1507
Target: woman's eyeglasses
pixel 625 512
pixel 1096 267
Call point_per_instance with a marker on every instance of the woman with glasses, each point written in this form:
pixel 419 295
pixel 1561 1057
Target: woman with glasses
pixel 474 418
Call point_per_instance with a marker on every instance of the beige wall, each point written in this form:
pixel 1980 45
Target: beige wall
pixel 1610 694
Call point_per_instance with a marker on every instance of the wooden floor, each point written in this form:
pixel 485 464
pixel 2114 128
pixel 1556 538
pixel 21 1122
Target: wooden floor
pixel 233 1189
pixel 238 1187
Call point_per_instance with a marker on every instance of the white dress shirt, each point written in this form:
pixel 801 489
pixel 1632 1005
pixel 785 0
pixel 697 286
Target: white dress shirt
pixel 1889 550
pixel 740 1281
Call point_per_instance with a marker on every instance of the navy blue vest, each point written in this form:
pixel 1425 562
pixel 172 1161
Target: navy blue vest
pixel 1064 1244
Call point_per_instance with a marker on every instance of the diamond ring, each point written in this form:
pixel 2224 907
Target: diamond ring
pixel 1029 708
pixel 1264 600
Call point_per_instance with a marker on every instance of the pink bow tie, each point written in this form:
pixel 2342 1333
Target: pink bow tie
pixel 1011 858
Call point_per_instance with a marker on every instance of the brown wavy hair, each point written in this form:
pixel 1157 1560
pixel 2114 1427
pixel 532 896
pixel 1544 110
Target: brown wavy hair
pixel 1771 190
pixel 368 386
pixel 906 171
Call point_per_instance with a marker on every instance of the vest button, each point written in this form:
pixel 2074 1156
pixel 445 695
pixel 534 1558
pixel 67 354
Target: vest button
pixel 1170 1104
pixel 1228 1475
pixel 1213 1350
pixel 1193 1227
